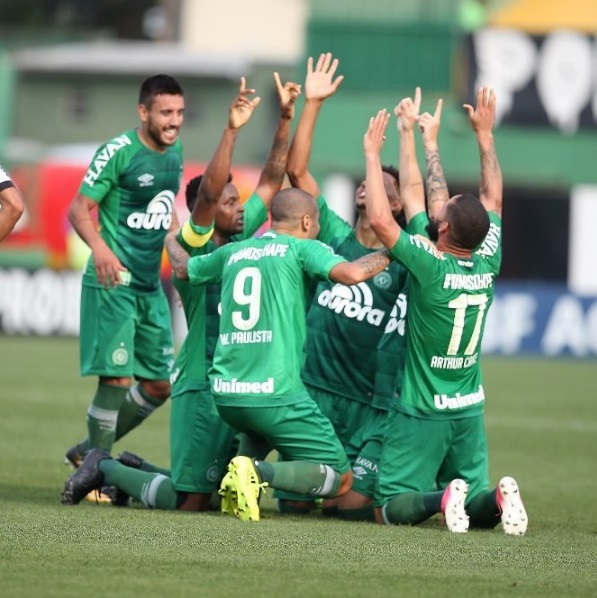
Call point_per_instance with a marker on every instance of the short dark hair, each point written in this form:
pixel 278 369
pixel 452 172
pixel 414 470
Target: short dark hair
pixel 468 220
pixel 191 189
pixel 157 85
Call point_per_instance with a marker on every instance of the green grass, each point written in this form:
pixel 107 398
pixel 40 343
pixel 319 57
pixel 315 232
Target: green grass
pixel 542 427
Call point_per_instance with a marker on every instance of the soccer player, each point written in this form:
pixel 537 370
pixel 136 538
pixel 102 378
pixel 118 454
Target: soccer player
pixel 256 371
pixel 345 324
pixel 435 433
pixel 200 442
pixel 11 204
pixel 125 318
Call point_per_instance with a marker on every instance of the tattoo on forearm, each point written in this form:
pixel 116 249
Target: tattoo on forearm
pixel 437 189
pixel 490 172
pixel 374 263
pixel 275 166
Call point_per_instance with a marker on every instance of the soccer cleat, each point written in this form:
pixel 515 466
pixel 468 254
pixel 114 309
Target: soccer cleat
pixel 243 479
pixel 514 516
pixel 452 506
pixel 103 494
pixel 130 459
pixel 86 478
pixel 73 457
pixel 227 492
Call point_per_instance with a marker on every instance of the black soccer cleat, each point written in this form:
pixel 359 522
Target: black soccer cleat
pixel 73 457
pixel 88 477
pixel 130 459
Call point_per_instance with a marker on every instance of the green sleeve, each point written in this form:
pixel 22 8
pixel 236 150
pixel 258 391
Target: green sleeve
pixel 418 224
pixel 419 257
pixel 332 226
pixel 105 168
pixel 255 215
pixel 208 268
pixel 317 259
pixel 491 248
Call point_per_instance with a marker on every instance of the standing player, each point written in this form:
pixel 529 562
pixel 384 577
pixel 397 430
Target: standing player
pixel 200 442
pixel 346 323
pixel 11 204
pixel 125 317
pixel 436 434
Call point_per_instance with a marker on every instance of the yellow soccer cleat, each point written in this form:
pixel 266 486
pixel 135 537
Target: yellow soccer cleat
pixel 244 480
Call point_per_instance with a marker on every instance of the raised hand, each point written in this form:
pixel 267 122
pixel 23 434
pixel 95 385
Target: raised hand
pixel 482 117
pixel 429 125
pixel 407 112
pixel 287 95
pixel 242 107
pixel 320 83
pixel 375 135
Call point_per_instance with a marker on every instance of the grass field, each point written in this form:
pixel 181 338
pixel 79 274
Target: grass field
pixel 542 427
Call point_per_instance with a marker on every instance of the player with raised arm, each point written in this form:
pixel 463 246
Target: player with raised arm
pixel 345 323
pixel 11 204
pixel 256 370
pixel 436 433
pixel 200 442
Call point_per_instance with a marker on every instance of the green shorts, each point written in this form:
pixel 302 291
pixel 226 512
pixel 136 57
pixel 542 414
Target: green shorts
pixel 419 453
pixel 299 432
pixel 201 443
pixel 347 416
pixel 124 334
pixel 364 452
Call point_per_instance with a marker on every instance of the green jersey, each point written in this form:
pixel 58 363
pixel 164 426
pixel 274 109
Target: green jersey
pixel 135 188
pixel 391 350
pixel 200 305
pixel 448 303
pixel 259 353
pixel 345 324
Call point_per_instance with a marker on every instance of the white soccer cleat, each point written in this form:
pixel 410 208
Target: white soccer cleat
pixel 514 516
pixel 453 506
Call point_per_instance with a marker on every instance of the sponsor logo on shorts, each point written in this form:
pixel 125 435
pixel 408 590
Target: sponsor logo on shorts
pixel 120 356
pixel 355 302
pixel 157 215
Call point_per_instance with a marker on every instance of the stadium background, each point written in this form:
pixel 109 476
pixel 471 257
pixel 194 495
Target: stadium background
pixel 69 75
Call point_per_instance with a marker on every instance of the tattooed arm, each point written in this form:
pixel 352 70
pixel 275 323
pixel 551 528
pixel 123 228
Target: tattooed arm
pixel 179 258
pixel 482 119
pixel 366 267
pixel 437 188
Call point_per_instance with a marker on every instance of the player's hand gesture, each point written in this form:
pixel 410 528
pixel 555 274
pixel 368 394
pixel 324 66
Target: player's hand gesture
pixel 287 95
pixel 320 83
pixel 107 266
pixel 407 112
pixel 242 108
pixel 429 125
pixel 482 117
pixel 375 135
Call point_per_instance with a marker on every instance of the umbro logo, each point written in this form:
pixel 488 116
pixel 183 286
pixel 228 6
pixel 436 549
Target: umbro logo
pixel 145 180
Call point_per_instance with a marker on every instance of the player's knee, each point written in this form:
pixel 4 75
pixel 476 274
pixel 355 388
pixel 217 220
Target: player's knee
pixel 125 382
pixel 191 501
pixel 158 389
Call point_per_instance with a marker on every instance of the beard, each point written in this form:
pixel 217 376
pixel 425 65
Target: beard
pixel 432 231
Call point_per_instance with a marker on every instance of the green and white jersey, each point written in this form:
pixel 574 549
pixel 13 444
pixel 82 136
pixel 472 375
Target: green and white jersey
pixel 345 323
pixel 259 354
pixel 135 188
pixel 448 303
pixel 391 350
pixel 201 308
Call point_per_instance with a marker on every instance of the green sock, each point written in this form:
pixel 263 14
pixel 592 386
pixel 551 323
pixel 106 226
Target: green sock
pixel 301 477
pixel 154 490
pixel 412 507
pixel 483 510
pixel 102 415
pixel 137 406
